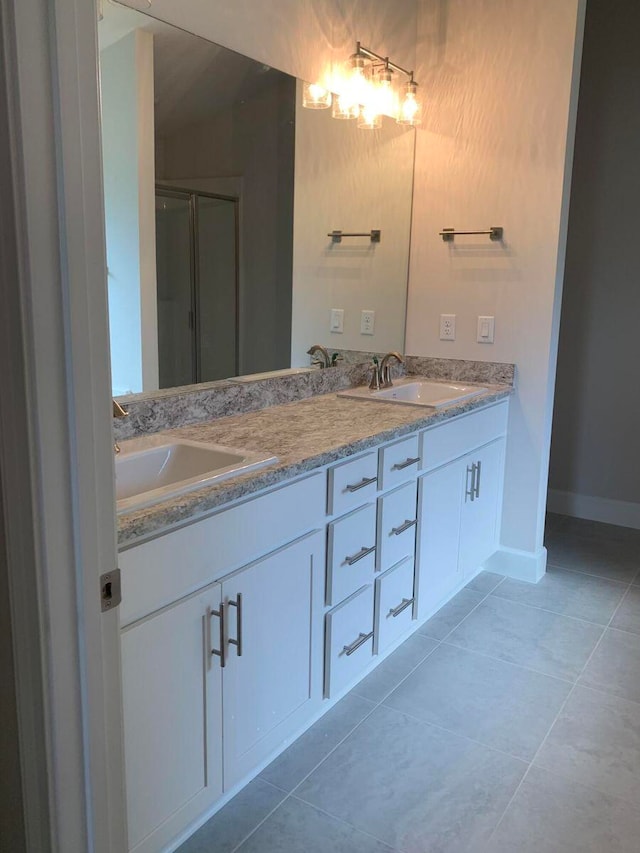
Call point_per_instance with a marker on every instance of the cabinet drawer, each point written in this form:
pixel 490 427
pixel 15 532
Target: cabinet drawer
pixel 456 438
pixel 352 483
pixel 351 553
pixel 159 572
pixel 348 640
pixel 394 604
pixel 397 512
pixel 398 462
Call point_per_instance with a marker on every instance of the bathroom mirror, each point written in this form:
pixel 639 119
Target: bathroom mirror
pixel 221 191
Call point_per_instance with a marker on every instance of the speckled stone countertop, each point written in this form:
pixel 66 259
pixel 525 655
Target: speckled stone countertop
pixel 304 435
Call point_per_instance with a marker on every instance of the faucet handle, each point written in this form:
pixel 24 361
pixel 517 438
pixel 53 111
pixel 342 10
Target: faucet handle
pixel 376 377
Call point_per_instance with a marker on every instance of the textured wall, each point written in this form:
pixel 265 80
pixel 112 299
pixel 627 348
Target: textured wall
pixel 497 82
pixel 595 449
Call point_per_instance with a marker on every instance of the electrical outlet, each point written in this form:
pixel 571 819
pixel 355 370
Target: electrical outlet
pixel 447 327
pixel 337 321
pixel 367 322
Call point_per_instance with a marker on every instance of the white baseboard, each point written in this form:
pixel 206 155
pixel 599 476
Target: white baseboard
pixel 623 513
pixel 521 565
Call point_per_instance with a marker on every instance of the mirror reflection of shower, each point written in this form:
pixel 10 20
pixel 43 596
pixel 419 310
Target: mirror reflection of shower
pixel 197 286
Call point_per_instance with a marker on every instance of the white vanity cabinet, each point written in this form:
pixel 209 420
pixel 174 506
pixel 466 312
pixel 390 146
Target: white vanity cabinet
pixel 458 504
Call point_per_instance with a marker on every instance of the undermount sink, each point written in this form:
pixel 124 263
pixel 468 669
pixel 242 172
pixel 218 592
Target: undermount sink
pixel 418 392
pixel 152 469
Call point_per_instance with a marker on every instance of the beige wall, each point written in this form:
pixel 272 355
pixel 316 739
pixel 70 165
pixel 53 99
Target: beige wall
pixel 497 80
pixel 595 451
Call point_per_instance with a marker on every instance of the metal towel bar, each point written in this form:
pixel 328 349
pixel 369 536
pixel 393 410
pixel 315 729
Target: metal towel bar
pixel 494 233
pixel 336 236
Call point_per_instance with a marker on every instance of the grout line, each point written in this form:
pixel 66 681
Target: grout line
pixel 557 717
pixel 557 613
pixel 592 574
pixel 512 663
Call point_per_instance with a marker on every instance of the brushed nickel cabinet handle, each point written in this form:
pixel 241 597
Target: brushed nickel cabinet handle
pixel 396 611
pixel 413 460
pixel 408 523
pixel 238 641
pixel 470 492
pixel 220 614
pixel 478 472
pixel 362 639
pixel 366 481
pixel 362 553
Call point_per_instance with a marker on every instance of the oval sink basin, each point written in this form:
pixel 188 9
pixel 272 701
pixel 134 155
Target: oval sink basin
pixel 418 392
pixel 152 469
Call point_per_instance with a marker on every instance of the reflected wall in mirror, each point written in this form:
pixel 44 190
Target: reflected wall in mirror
pixel 220 192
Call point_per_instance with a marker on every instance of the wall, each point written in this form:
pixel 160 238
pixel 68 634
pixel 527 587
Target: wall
pixel 352 180
pixel 497 86
pixel 595 451
pixel 127 144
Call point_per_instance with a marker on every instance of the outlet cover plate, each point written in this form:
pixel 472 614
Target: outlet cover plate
pixel 447 327
pixel 367 322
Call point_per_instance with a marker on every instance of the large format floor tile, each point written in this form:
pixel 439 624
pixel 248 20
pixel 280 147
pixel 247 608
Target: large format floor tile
pixel 316 743
pixel 551 815
pixel 568 593
pixel 485 582
pixel 615 665
pixel 387 675
pixel 628 616
pixel 236 820
pixel 555 645
pixel 452 614
pixel 596 739
pixel 300 828
pixel 414 786
pixel 494 702
pixel 615 559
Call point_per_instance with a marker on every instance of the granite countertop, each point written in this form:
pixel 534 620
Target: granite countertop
pixel 304 435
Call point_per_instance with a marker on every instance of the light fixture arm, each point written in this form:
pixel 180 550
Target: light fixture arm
pixel 376 57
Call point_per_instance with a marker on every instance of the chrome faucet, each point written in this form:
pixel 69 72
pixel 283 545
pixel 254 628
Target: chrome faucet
pixel 326 358
pixel 118 412
pixel 385 368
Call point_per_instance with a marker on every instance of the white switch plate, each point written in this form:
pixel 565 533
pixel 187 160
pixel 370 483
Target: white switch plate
pixel 447 327
pixel 486 329
pixel 337 320
pixel 367 322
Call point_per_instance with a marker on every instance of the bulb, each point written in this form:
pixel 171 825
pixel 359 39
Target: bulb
pixel 410 108
pixel 315 97
pixel 369 118
pixel 344 107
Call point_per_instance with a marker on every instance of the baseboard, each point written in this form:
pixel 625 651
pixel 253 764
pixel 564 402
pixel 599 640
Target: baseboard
pixel 521 565
pixel 622 513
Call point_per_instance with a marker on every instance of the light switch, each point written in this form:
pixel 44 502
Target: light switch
pixel 367 322
pixel 337 320
pixel 447 327
pixel 486 328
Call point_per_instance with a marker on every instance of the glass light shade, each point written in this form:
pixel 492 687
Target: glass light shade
pixel 344 107
pixel 315 97
pixel 369 118
pixel 410 109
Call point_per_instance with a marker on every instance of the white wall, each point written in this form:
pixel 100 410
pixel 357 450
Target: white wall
pixel 595 450
pixel 129 181
pixel 353 180
pixel 497 86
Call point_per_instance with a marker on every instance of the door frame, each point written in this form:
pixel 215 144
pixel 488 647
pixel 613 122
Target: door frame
pixel 56 429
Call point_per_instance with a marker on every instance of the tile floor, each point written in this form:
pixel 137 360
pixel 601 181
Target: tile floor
pixel 509 722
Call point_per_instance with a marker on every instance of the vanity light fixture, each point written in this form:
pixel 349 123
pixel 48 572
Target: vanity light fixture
pixel 368 93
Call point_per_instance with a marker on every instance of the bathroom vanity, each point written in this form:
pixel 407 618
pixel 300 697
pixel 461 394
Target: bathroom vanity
pixel 249 609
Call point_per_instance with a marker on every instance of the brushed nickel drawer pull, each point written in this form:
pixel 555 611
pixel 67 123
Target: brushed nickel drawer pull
pixel 478 472
pixel 470 492
pixel 408 523
pixel 413 460
pixel 220 614
pixel 366 481
pixel 238 641
pixel 362 553
pixel 396 611
pixel 362 639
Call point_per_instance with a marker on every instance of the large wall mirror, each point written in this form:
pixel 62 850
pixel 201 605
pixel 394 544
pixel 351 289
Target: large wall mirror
pixel 220 194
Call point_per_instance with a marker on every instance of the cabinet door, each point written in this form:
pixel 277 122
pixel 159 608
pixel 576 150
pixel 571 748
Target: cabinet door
pixel 479 523
pixel 439 505
pixel 273 674
pixel 172 719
